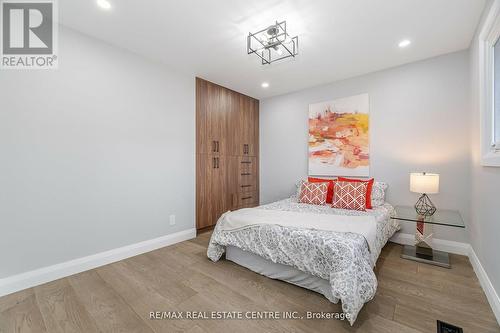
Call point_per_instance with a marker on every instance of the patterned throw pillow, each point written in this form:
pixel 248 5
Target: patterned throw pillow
pixel 350 195
pixel 329 195
pixel 313 193
pixel 368 191
pixel 378 193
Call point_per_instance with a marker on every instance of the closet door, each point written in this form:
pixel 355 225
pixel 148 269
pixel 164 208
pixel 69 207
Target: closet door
pixel 244 126
pixel 211 186
pixel 218 110
pixel 203 203
pixel 218 187
pixel 233 182
pixel 254 128
pixel 203 144
pixel 234 125
pixel 212 110
pixel 248 124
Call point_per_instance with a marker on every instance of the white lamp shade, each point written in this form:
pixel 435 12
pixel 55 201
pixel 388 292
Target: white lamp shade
pixel 422 182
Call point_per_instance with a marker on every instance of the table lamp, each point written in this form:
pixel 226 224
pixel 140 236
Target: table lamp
pixel 424 183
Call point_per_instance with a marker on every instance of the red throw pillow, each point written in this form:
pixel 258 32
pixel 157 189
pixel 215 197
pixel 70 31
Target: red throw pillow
pixel 329 195
pixel 350 195
pixel 313 193
pixel 368 190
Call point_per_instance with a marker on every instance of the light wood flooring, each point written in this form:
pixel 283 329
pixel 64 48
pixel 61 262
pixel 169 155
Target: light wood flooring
pixel 119 297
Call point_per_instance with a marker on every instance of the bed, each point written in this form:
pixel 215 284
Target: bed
pixel 335 263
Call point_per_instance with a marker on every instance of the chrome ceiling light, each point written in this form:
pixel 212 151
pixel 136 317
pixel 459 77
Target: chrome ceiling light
pixel 273 43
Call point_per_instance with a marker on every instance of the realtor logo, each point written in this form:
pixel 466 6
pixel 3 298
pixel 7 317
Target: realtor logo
pixel 29 34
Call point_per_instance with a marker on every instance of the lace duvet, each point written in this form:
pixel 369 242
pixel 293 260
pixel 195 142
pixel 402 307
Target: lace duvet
pixel 341 258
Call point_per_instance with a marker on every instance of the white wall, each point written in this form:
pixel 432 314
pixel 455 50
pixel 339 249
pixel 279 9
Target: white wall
pixel 93 156
pixel 419 121
pixel 485 186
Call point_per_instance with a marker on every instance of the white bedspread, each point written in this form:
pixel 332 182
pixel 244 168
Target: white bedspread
pixel 364 225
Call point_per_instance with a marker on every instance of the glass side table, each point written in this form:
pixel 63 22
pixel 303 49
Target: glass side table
pixel 422 251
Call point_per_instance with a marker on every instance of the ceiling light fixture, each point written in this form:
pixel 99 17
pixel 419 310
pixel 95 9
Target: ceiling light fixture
pixel 104 4
pixel 404 43
pixel 264 85
pixel 272 43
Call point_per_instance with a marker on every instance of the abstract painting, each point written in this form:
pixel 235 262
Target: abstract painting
pixel 339 140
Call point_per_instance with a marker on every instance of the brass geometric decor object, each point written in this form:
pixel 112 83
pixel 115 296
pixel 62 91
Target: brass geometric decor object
pixel 424 206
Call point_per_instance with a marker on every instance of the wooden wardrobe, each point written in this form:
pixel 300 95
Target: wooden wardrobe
pixel 227 152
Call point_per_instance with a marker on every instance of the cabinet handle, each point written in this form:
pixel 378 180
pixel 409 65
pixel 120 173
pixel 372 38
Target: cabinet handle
pixel 246 162
pixel 246 185
pixel 214 163
pixel 217 145
pixel 217 162
pixel 246 174
pixel 214 147
pixel 246 198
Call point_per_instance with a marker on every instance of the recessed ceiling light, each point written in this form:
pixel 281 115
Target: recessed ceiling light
pixel 264 85
pixel 404 43
pixel 104 4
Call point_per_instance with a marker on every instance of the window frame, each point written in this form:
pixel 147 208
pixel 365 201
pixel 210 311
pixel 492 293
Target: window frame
pixel 489 35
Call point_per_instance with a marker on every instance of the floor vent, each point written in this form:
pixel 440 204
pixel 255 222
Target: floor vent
pixel 448 328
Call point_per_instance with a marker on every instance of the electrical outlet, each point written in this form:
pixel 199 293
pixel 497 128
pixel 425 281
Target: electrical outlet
pixel 172 219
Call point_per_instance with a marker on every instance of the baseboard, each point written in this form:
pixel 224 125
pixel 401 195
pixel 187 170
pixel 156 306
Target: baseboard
pixel 438 244
pixel 486 284
pixel 43 275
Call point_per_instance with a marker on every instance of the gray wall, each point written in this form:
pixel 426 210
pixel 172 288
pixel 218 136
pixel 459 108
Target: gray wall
pixel 419 121
pixel 93 156
pixel 485 184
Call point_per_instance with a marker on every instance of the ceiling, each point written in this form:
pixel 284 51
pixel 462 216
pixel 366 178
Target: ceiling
pixel 338 38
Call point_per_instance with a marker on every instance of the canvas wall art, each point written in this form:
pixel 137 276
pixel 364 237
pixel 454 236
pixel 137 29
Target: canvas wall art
pixel 339 137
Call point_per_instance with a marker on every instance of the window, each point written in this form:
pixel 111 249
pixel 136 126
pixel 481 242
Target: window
pixel 489 89
pixel 496 93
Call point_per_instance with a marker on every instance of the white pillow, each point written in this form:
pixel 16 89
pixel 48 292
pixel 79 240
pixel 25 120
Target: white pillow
pixel 378 193
pixel 298 187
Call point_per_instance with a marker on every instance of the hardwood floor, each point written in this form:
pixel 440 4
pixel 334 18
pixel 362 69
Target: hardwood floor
pixel 120 296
